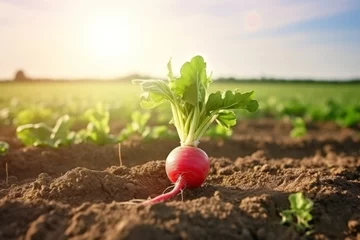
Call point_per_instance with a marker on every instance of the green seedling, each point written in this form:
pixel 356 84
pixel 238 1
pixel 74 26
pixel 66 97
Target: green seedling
pixel 33 115
pixel 299 214
pixel 40 134
pixel 98 129
pixel 299 127
pixel 219 131
pixel 4 148
pixel 139 126
pixel 294 107
pixel 349 118
pixel 160 132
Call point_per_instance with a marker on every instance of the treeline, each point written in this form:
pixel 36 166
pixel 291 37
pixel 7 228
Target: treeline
pixel 283 80
pixel 21 77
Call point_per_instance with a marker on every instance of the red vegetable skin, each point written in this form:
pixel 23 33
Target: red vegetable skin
pixel 187 167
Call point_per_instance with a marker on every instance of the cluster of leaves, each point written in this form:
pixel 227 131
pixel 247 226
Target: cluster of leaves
pixel 193 108
pixel 299 127
pixel 344 115
pixel 219 132
pixel 97 130
pixel 40 134
pixel 140 126
pixel 16 112
pixel 299 214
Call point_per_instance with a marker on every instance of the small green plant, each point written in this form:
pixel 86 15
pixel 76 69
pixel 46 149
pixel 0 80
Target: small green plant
pixel 4 148
pixel 349 118
pixel 33 114
pixel 160 132
pixel 299 127
pixel 299 214
pixel 219 131
pixel 40 134
pixel 139 126
pixel 98 129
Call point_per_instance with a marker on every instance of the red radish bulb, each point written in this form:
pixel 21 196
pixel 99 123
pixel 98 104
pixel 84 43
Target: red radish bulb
pixel 187 167
pixel 191 163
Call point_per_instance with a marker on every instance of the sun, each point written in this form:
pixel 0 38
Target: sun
pixel 108 37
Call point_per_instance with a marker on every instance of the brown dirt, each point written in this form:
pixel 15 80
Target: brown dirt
pixel 79 192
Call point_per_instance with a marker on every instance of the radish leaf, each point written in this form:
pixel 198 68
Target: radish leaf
pixel 192 107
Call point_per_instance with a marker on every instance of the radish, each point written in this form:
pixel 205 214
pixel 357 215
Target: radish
pixel 194 110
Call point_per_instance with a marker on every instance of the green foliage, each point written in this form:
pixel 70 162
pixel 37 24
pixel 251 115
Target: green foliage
pixel 218 131
pixel 34 114
pixel 40 134
pixel 299 214
pixel 4 148
pixel 349 117
pixel 343 115
pixel 160 132
pixel 313 102
pixel 294 108
pixel 192 107
pixel 299 127
pixel 98 129
pixel 139 126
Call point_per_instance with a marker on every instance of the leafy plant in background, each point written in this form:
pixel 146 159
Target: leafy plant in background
pixel 4 148
pixel 161 132
pixel 293 107
pixel 98 129
pixel 33 114
pixel 299 214
pixel 4 116
pixel 9 112
pixel 139 126
pixel 219 131
pixel 343 115
pixel 349 118
pixel 299 127
pixel 40 134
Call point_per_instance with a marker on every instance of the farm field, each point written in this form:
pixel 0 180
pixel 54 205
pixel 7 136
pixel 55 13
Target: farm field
pixel 69 180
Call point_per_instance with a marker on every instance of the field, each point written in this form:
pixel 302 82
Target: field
pixel 76 184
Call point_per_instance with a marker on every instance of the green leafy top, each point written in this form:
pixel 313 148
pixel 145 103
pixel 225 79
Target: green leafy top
pixel 40 134
pixel 192 107
pixel 299 127
pixel 4 148
pixel 299 213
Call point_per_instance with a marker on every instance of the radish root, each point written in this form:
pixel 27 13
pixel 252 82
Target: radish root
pixel 178 188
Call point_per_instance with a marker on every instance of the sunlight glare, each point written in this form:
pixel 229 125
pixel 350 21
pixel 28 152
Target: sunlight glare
pixel 253 21
pixel 108 37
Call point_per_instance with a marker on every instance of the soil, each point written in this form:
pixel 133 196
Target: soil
pixel 82 192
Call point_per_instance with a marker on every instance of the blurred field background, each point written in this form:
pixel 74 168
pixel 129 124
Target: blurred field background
pixel 31 102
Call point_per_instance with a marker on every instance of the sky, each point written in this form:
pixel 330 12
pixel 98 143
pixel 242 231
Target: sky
pixel 110 38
